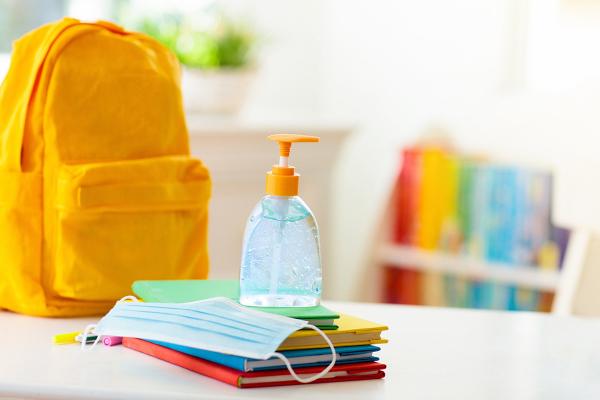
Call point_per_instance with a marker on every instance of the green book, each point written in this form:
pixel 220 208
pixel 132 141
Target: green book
pixel 182 291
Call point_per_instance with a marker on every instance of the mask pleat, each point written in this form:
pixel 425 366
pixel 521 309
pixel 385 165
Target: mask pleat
pixel 236 318
pixel 203 316
pixel 198 324
pixel 195 333
pixel 217 324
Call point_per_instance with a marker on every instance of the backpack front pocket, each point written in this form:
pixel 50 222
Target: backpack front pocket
pixel 123 221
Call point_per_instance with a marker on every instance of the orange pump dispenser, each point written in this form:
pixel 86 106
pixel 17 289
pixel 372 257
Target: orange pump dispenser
pixel 282 180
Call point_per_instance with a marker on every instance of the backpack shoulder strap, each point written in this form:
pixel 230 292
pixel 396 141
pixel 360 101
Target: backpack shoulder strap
pixel 22 80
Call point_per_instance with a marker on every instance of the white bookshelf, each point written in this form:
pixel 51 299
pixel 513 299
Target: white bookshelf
pixel 412 258
pixel 385 252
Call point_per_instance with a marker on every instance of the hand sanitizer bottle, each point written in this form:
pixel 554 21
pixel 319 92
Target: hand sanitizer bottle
pixel 281 260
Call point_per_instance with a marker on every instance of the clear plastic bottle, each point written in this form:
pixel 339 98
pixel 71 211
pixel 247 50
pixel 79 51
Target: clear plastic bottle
pixel 281 258
pixel 281 263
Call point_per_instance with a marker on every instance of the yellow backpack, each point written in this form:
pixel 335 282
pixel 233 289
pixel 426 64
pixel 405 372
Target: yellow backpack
pixel 97 188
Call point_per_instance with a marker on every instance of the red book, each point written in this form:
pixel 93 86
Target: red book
pixel 280 377
pixel 409 287
pixel 407 191
pixel 403 285
pixel 390 275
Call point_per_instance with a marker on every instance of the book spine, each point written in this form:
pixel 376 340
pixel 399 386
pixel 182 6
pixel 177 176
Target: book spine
pixel 429 225
pixel 198 365
pixel 502 228
pixel 461 286
pixel 408 179
pixel 377 375
pixel 405 282
pixel 450 236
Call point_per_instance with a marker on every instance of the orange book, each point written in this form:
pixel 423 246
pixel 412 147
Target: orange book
pixel 407 196
pixel 409 287
pixel 407 281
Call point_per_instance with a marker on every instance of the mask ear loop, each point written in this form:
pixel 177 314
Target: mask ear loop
pixel 320 374
pixel 88 329
pixel 130 298
pixel 84 335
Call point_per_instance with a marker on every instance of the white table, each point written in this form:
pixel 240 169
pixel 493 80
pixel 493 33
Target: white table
pixel 433 353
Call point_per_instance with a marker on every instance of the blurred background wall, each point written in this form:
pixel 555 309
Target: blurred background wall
pixel 517 79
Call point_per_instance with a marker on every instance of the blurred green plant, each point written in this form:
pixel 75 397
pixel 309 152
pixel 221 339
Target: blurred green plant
pixel 226 45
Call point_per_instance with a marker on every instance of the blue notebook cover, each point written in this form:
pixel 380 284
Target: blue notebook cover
pixel 239 363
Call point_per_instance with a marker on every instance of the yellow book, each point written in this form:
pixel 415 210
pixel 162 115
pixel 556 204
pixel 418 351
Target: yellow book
pixel 450 240
pixel 549 256
pixel 430 212
pixel 352 331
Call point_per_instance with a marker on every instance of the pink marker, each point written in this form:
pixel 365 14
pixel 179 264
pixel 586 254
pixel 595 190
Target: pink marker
pixel 112 340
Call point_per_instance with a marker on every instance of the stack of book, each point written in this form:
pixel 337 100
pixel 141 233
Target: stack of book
pixel 486 210
pixel 354 340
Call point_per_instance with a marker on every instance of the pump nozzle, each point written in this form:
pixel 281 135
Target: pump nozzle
pixel 282 180
pixel 285 144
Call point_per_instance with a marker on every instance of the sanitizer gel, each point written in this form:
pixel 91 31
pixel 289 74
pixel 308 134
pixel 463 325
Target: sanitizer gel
pixel 281 261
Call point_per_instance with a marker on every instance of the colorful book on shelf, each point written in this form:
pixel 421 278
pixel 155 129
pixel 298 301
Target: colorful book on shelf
pixel 457 288
pixel 480 291
pixel 390 284
pixel 429 220
pixel 522 252
pixel 297 358
pixel 523 299
pixel 560 236
pixel 182 291
pixel 502 208
pixel 465 198
pixel 479 207
pixel 234 377
pixel 428 225
pixel 450 237
pixel 545 301
pixel 495 213
pixel 408 285
pixel 404 283
pixel 501 228
pixel 406 196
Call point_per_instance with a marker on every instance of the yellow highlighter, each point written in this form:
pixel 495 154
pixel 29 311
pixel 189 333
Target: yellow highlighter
pixel 66 338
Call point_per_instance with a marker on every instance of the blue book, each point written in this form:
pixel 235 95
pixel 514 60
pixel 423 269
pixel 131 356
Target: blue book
pixel 480 293
pixel 298 358
pixel 502 226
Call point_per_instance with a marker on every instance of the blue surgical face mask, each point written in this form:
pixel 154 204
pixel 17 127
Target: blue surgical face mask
pixel 217 324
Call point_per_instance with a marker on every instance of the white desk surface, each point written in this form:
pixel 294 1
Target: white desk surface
pixel 433 353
